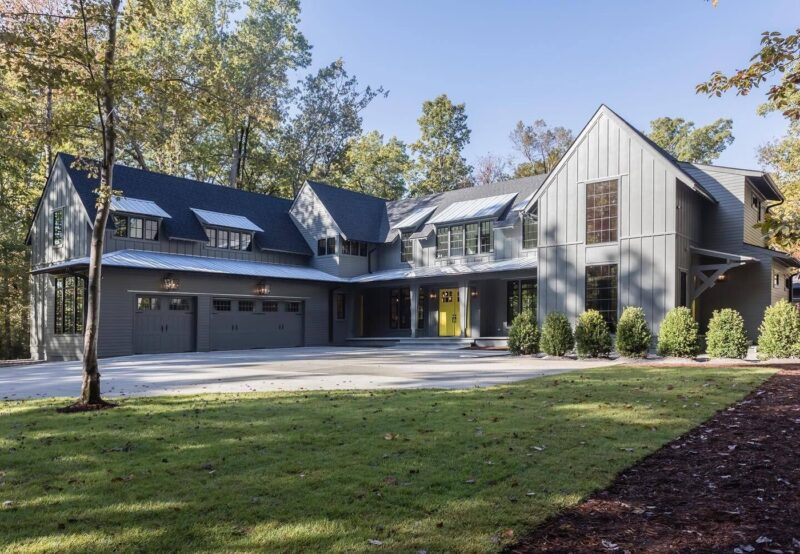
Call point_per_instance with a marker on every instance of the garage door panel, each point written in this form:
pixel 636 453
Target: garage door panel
pixel 164 324
pixel 246 324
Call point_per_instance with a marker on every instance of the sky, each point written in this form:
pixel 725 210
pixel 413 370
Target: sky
pixel 553 60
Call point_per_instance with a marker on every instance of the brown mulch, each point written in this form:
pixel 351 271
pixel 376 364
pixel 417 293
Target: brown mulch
pixel 79 407
pixel 730 485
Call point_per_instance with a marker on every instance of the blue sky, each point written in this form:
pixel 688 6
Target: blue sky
pixel 512 60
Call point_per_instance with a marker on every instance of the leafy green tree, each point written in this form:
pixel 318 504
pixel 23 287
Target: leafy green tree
pixel 327 119
pixel 372 166
pixel 689 144
pixel 540 145
pixel 440 165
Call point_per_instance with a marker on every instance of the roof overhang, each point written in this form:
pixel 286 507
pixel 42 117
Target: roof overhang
pixel 479 209
pixel 228 221
pixel 137 206
pixel 456 270
pixel 727 256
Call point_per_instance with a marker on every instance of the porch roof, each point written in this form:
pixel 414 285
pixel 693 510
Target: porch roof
pixel 447 270
pixel 722 255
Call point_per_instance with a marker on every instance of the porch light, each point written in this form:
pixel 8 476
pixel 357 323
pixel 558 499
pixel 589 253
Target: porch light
pixel 169 282
pixel 721 278
pixel 262 288
pixel 473 293
pixel 432 295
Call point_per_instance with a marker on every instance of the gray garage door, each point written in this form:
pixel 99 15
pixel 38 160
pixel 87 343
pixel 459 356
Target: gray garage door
pixel 164 324
pixel 243 324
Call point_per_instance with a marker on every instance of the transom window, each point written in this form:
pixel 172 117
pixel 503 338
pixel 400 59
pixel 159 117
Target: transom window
pixel 70 303
pixel 406 247
pixel 246 305
pixel 135 227
pixel 58 227
pixel 179 304
pixel 530 228
pixel 520 296
pixel 601 292
pixel 354 247
pixel 469 239
pixel 230 240
pixel 601 212
pixel 147 303
pixel 269 306
pixel 293 307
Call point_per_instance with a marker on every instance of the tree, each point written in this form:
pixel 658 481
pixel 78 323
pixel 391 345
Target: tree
pixel 372 166
pixel 491 169
pixel 782 223
pixel 440 165
pixel 540 146
pixel 688 144
pixel 779 56
pixel 328 117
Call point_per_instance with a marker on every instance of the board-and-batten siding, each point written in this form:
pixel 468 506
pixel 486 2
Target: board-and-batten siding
pixel 752 234
pixel 646 249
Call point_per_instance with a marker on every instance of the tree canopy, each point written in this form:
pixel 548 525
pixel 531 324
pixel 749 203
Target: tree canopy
pixel 541 146
pixel 690 144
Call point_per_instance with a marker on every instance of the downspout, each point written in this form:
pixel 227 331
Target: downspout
pixel 369 259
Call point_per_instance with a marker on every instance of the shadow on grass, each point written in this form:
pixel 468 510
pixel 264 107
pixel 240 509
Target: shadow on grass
pixel 462 470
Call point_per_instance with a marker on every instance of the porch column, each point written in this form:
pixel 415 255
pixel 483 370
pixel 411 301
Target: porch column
pixel 463 306
pixel 414 291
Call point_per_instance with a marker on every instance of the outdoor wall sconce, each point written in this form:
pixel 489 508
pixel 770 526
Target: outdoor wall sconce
pixel 432 295
pixel 169 282
pixel 262 288
pixel 473 293
pixel 721 278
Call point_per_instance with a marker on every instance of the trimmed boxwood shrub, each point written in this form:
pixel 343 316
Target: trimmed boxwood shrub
pixel 726 337
pixel 779 334
pixel 592 338
pixel 678 335
pixel 523 337
pixel 633 334
pixel 557 337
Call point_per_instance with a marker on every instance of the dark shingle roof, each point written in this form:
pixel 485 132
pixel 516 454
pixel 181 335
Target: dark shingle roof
pixel 177 195
pixel 359 216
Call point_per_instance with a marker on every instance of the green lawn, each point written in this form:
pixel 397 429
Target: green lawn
pixel 455 471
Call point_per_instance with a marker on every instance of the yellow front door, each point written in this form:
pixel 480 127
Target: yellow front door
pixel 449 314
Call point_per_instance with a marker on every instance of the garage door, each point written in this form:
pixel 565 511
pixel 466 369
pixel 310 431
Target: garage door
pixel 243 324
pixel 164 324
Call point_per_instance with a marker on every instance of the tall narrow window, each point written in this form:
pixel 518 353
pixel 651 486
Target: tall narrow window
pixel 362 249
pixel 58 227
pixel 69 299
pixel 135 227
pixel 234 242
pixel 601 212
pixel 340 310
pixel 471 238
pixel 512 301
pixel 406 247
pixel 331 245
pixel 601 292
pixel 246 239
pixel 442 242
pixel 212 237
pixel 322 247
pixel 530 228
pixel 684 300
pixel 527 295
pixel 487 237
pixel 520 295
pixel 120 226
pixel 150 229
pixel 222 239
pixel 457 240
pixel 422 302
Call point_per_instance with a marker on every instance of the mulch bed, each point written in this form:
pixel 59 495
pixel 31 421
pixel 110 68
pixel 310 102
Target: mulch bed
pixel 729 485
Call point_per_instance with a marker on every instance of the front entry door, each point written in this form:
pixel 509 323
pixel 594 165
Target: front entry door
pixel 449 313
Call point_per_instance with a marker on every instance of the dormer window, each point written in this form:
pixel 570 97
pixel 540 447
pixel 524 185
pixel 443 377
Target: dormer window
pixel 406 247
pixel 227 239
pixel 132 227
pixel 353 247
pixel 756 203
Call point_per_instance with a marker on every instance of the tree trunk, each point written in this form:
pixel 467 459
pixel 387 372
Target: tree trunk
pixel 90 388
pixel 48 125
pixel 5 354
pixel 236 156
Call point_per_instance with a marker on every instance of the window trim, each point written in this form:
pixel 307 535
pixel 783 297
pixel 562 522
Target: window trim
pixel 531 216
pixel 78 311
pixel 518 284
pixel 117 217
pixel 446 231
pixel 595 182
pixel 406 240
pixel 213 235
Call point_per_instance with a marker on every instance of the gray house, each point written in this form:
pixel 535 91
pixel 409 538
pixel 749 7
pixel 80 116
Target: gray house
pixel 190 266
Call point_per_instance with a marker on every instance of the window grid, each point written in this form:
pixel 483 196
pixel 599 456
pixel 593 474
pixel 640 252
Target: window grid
pixel 520 295
pixel 120 226
pixel 442 242
pixel 601 292
pixel 406 247
pixel 179 304
pixel 246 305
pixel 147 303
pixel 457 240
pixel 135 227
pixel 487 237
pixel 269 306
pixel 530 228
pixel 471 238
pixel 58 227
pixel 601 212
pixel 151 229
pixel 221 305
pixel 331 245
pixel 293 307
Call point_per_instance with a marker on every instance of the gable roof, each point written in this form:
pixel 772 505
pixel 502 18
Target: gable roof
pixel 176 195
pixel 690 181
pixel 761 180
pixel 358 215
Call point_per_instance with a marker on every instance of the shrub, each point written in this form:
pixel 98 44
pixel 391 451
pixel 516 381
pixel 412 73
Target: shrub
pixel 523 337
pixel 633 334
pixel 678 335
pixel 779 334
pixel 726 337
pixel 557 337
pixel 592 338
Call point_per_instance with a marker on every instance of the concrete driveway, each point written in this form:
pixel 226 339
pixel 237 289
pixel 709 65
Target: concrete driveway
pixel 311 368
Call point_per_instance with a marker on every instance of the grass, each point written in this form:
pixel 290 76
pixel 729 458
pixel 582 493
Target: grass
pixel 441 471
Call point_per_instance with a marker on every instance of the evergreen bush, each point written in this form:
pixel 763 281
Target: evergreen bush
pixel 523 337
pixel 679 334
pixel 726 336
pixel 633 333
pixel 779 334
pixel 557 338
pixel 592 338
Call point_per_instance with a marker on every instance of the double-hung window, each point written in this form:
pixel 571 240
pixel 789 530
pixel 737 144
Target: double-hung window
pixel 442 242
pixel 530 228
pixel 58 227
pixel 457 240
pixel 406 247
pixel 487 237
pixel 460 240
pixel 471 238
